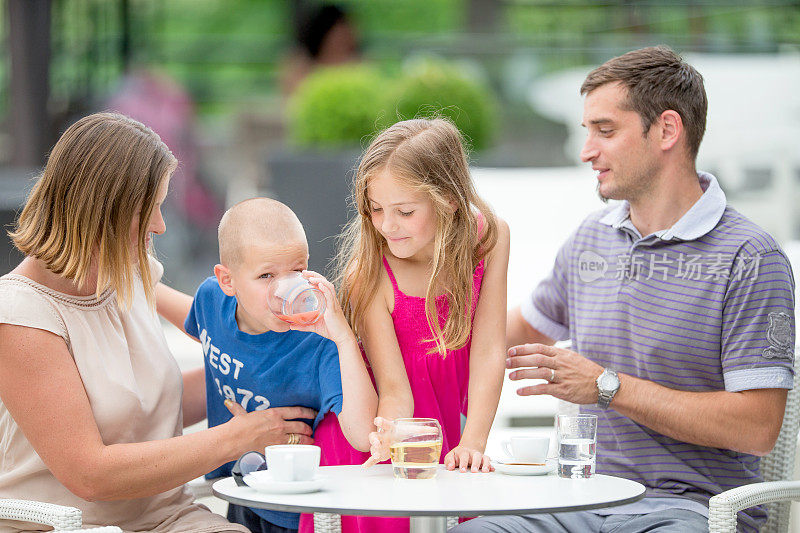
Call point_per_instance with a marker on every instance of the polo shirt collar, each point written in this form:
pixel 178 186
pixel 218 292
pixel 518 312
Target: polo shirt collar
pixel 701 218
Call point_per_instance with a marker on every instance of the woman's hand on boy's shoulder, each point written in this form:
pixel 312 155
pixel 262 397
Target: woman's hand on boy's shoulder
pixel 276 425
pixel 333 324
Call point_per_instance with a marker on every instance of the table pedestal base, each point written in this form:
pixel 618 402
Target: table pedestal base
pixel 428 524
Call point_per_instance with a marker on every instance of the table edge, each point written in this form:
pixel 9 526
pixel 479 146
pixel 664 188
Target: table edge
pixel 443 512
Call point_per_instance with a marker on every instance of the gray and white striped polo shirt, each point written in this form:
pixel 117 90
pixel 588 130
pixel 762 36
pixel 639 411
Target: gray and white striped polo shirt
pixel 705 305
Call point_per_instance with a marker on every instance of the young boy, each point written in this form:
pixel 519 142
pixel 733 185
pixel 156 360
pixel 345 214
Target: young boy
pixel 256 360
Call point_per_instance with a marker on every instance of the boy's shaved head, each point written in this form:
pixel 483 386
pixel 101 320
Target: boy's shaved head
pixel 260 220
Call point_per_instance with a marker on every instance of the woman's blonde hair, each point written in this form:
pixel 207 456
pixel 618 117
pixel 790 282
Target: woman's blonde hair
pixel 427 155
pixel 103 173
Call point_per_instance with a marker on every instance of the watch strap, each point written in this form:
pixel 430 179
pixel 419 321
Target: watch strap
pixel 604 397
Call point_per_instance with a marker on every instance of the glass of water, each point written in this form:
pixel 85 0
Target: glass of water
pixel 577 441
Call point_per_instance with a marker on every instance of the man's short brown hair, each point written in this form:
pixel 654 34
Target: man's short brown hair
pixel 657 79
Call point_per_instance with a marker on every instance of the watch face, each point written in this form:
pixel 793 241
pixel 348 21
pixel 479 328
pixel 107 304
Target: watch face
pixel 608 382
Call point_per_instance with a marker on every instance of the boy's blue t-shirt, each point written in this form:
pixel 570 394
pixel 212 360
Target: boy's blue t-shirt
pixel 273 369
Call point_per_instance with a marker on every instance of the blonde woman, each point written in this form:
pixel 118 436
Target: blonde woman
pixel 424 279
pixel 92 404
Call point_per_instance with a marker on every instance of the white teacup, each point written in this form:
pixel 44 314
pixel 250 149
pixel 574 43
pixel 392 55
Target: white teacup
pixel 296 462
pixel 527 449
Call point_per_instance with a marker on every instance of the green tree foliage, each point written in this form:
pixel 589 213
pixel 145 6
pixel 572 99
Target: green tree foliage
pixel 406 17
pixel 345 106
pixel 435 88
pixel 337 106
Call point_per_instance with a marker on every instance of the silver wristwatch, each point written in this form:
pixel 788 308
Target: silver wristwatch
pixel 607 387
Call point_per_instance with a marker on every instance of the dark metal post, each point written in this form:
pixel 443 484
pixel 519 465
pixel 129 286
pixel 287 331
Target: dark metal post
pixel 29 43
pixel 125 34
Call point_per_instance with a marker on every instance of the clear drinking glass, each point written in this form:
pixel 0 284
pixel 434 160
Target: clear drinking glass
pixel 577 441
pixel 293 299
pixel 416 444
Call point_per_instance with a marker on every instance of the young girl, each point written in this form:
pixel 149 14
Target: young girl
pixel 423 280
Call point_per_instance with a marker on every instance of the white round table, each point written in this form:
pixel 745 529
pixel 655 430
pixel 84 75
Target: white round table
pixel 355 490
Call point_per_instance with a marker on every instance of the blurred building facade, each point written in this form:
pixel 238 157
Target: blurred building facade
pixel 227 56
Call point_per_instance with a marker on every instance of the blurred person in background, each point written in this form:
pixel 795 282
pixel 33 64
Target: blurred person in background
pixel 155 98
pixel 325 36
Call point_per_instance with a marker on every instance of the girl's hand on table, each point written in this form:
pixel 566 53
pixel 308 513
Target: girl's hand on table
pixel 466 457
pixel 380 441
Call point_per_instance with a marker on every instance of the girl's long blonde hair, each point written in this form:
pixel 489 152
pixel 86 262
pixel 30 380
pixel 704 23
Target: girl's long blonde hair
pixel 103 172
pixel 428 155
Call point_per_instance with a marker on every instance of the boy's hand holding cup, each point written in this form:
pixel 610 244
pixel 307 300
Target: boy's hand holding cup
pixel 332 324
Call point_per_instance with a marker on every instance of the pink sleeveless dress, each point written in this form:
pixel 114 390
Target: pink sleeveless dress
pixel 439 385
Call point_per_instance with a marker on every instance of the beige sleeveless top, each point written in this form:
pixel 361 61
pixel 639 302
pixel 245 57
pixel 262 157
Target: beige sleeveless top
pixel 134 386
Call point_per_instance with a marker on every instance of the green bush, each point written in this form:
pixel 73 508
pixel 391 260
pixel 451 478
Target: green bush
pixel 347 105
pixel 337 106
pixel 434 88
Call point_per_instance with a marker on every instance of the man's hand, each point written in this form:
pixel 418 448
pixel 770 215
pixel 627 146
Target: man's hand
pixel 570 376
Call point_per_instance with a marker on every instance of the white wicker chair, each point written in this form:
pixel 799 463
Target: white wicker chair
pixel 777 490
pixel 200 487
pixel 57 516
pixel 64 518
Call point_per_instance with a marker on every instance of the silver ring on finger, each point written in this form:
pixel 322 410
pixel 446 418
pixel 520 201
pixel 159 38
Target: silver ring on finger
pixel 294 438
pixel 552 375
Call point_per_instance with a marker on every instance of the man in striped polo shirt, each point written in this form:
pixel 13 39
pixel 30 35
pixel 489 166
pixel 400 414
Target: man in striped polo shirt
pixel 679 309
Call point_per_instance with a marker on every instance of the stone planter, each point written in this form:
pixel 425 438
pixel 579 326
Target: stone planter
pixel 316 185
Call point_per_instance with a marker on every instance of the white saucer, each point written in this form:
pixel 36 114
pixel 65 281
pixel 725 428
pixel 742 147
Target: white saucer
pixel 512 469
pixel 262 481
